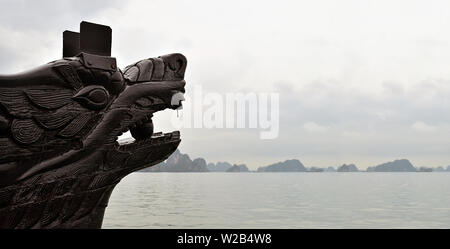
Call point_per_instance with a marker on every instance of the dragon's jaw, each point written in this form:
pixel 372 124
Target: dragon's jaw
pixel 142 100
pixel 144 140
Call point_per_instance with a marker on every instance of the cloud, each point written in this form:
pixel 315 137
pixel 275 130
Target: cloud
pixel 45 15
pixel 353 87
pixel 313 127
pixel 31 31
pixel 422 127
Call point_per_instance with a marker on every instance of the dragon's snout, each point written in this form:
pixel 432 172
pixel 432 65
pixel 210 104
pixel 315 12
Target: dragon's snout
pixel 169 67
pixel 152 85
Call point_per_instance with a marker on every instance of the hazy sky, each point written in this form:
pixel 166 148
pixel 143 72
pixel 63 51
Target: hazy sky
pixel 360 82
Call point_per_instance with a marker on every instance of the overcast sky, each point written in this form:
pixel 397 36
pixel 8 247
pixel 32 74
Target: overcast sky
pixel 360 82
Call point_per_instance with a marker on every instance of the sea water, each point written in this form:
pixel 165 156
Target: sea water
pixel 280 200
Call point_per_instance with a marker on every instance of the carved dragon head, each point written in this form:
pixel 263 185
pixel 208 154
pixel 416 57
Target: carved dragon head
pixel 59 125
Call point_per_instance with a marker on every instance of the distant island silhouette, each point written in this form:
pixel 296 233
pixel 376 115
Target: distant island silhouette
pixel 179 162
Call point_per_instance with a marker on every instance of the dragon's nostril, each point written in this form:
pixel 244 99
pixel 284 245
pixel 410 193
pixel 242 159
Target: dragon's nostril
pixel 175 66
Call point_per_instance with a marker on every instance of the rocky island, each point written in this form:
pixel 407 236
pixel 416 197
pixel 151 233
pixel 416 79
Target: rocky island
pixel 238 168
pixel 402 165
pixel 179 162
pixel 347 168
pixel 219 166
pixel 293 165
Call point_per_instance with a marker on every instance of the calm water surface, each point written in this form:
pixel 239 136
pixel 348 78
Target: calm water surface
pixel 280 200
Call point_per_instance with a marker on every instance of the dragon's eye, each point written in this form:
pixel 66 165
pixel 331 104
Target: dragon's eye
pixel 93 97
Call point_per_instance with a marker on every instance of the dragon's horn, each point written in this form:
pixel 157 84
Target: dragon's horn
pixel 92 39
